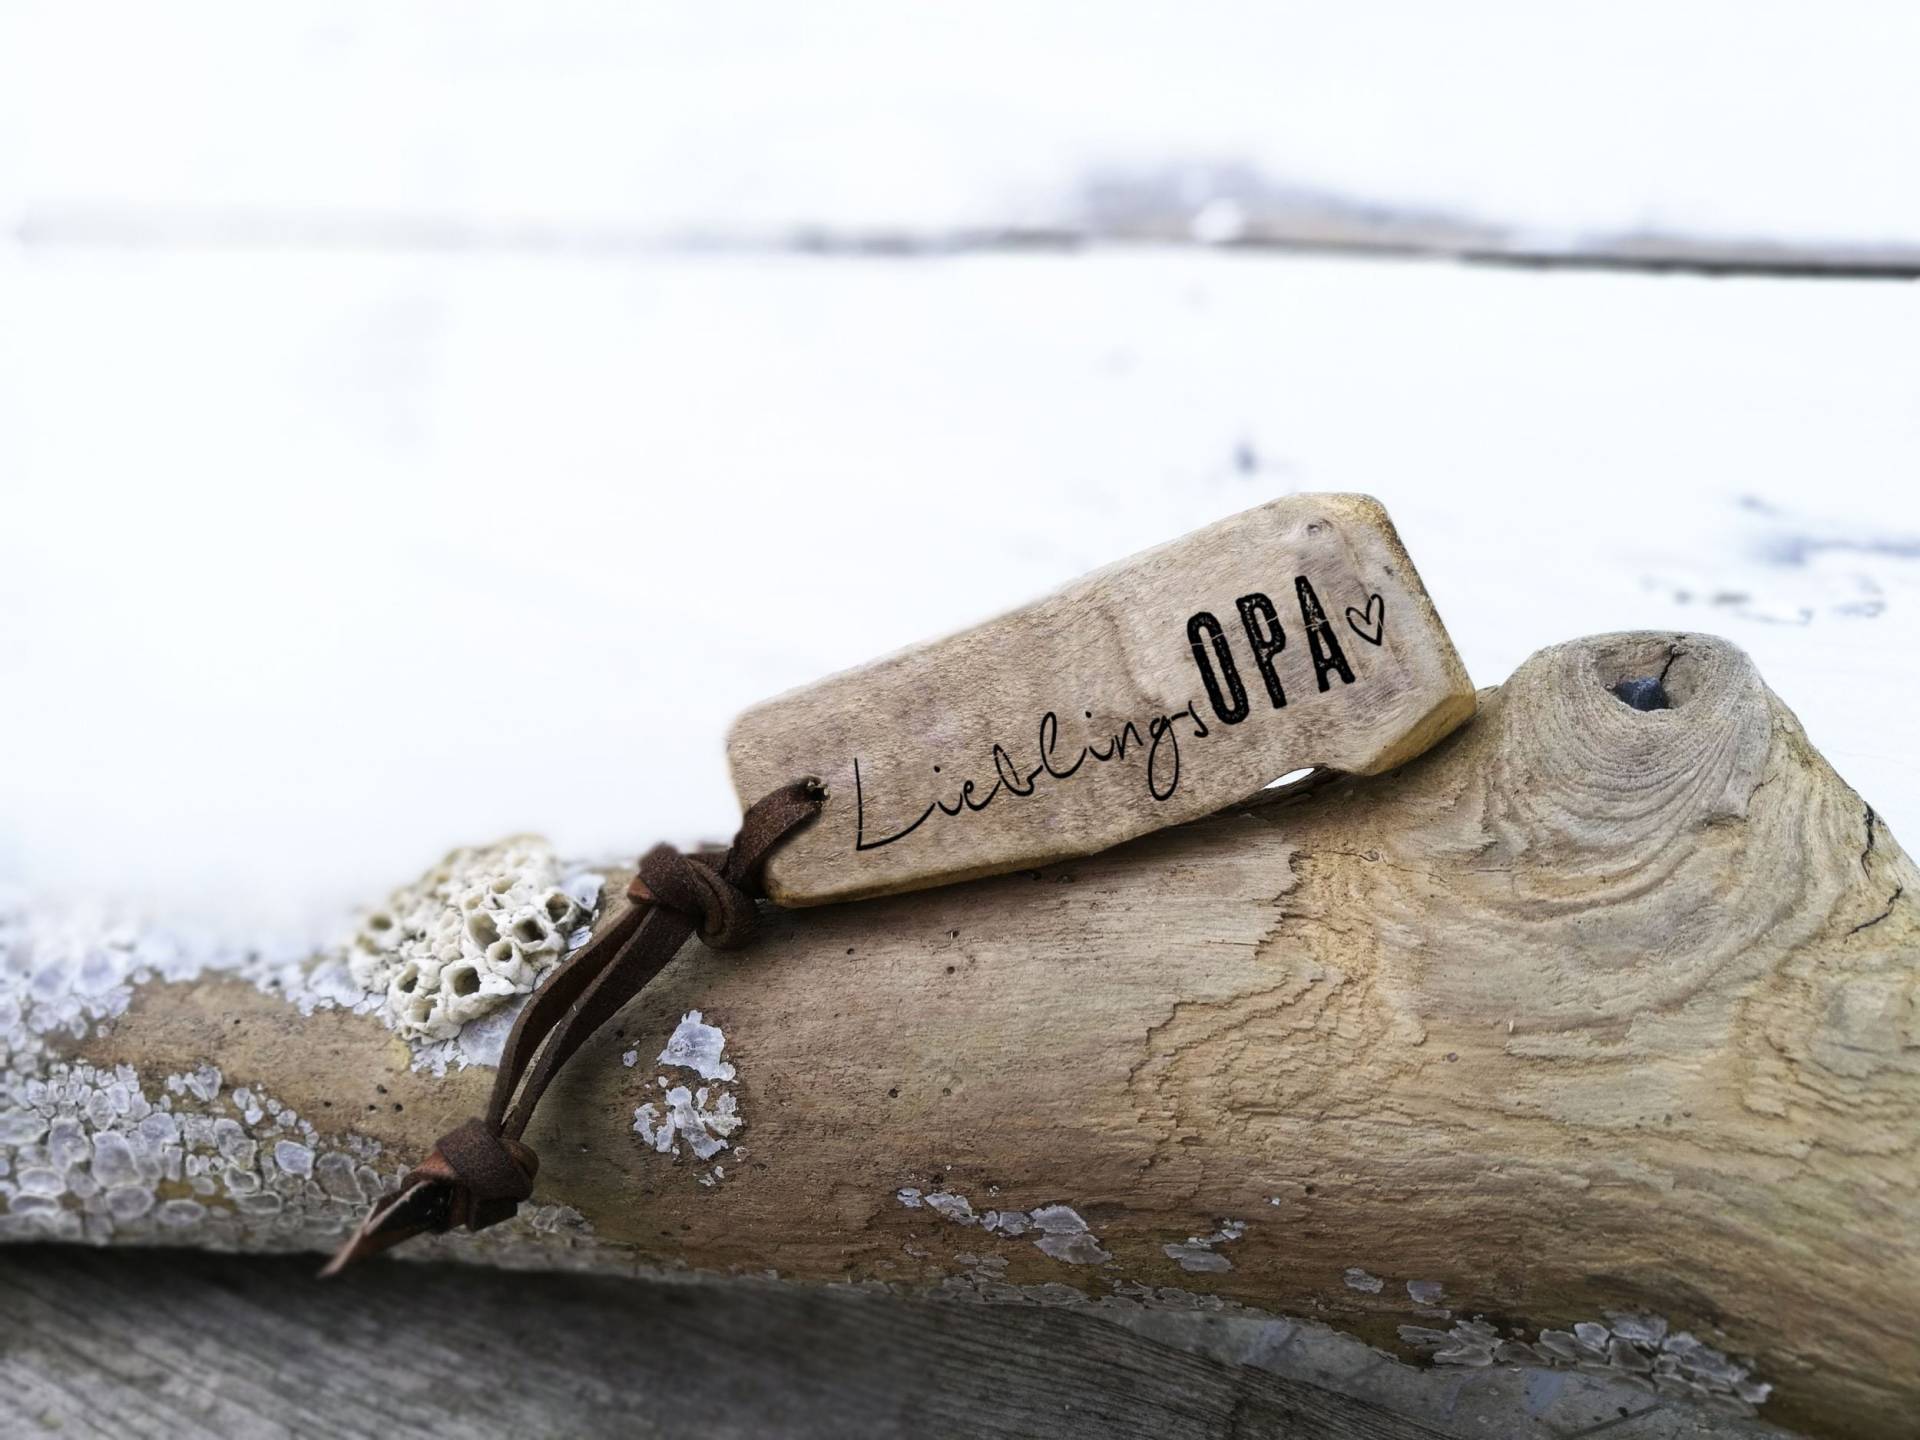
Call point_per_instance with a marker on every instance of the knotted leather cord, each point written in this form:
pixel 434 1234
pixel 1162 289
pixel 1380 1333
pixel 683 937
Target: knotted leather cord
pixel 478 1174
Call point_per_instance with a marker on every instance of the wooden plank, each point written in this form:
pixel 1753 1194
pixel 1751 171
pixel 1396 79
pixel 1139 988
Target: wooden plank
pixel 1292 636
pixel 199 1347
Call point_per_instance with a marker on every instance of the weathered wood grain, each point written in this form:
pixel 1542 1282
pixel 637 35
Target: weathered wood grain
pixel 191 1347
pixel 1161 688
pixel 1594 1014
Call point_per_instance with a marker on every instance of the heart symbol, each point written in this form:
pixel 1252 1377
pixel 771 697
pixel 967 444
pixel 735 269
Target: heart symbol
pixel 1375 617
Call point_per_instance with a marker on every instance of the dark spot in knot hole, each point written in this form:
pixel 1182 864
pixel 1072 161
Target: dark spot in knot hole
pixel 1643 693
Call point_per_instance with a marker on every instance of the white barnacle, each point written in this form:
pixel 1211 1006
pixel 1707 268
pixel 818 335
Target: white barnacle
pixel 1065 1236
pixel 698 1118
pixel 21 1127
pixel 229 1137
pixel 705 1129
pixel 653 1126
pixel 335 1172
pixel 1471 1343
pixel 113 1160
pixel 531 930
pixel 1057 1230
pixel 1196 1258
pixel 1641 1329
pixel 1634 1349
pixel 42 1181
pixel 67 1143
pixel 1559 1344
pixel 509 962
pixel 697 1046
pixel 1011 1223
pixel 127 1203
pixel 1197 1253
pixel 181 1213
pixel 160 1128
pixel 560 910
pixel 483 926
pixel 950 1206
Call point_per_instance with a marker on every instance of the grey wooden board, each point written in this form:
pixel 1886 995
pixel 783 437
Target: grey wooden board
pixel 179 1346
pixel 184 1346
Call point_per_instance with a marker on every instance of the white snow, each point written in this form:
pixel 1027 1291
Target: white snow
pixel 274 520
pixel 758 117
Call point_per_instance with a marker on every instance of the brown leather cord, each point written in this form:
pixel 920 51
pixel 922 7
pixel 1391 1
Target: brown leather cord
pixel 479 1173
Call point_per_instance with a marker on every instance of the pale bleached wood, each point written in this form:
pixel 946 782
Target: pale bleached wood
pixel 1164 687
pixel 1591 1009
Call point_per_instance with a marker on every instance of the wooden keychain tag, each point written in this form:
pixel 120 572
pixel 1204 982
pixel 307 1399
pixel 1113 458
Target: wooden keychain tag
pixel 1172 684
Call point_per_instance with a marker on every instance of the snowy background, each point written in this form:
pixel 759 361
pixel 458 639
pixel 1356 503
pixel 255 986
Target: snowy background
pixel 393 399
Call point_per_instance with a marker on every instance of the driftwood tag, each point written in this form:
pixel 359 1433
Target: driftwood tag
pixel 1295 635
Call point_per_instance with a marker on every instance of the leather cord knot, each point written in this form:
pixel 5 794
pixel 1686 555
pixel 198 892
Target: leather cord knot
pixel 478 1174
pixel 723 913
pixel 485 1174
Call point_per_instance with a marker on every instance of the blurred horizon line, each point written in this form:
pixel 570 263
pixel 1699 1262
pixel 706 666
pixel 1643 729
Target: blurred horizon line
pixel 1338 232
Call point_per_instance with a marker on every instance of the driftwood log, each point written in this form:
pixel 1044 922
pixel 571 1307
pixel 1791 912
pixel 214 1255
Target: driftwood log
pixel 1589 1039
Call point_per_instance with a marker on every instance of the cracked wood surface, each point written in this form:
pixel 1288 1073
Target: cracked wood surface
pixel 1592 1008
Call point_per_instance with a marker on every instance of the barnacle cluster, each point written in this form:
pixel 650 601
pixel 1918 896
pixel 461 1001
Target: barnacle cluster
pixel 704 1117
pixel 1198 1254
pixel 479 928
pixel 100 1153
pixel 86 1153
pixel 1058 1230
pixel 1638 1350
